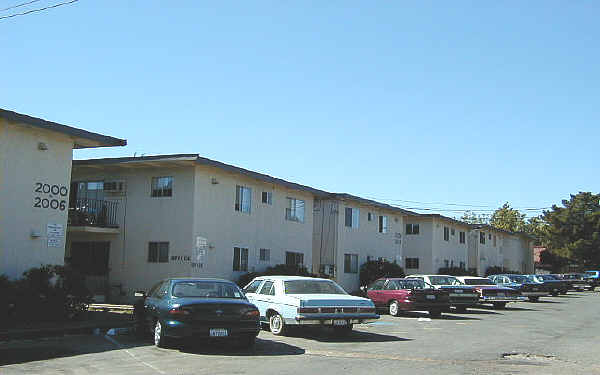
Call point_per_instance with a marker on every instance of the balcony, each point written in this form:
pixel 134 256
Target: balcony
pixel 93 215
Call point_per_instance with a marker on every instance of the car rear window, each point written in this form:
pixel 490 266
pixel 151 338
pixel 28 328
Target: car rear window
pixel 207 289
pixel 481 281
pixel 312 287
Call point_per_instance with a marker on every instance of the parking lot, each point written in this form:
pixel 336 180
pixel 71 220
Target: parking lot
pixel 556 335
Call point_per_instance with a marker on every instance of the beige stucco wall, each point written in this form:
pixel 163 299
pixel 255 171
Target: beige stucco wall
pixel 451 250
pixel 518 254
pixel 419 245
pixel 198 207
pixel 22 165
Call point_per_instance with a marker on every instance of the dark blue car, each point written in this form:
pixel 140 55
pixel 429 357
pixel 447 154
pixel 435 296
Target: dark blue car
pixel 197 308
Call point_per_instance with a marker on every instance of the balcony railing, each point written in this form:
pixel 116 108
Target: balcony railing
pixel 94 213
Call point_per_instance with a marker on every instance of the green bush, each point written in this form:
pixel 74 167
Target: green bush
pixel 375 269
pixel 456 271
pixel 280 269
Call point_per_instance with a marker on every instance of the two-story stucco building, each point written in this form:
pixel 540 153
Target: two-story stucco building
pixel 434 241
pixel 350 230
pixel 35 175
pixel 492 247
pixel 147 218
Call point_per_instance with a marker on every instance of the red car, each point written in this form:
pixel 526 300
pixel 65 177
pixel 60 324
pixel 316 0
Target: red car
pixel 397 295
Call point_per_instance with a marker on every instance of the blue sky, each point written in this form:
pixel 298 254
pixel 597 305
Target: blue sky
pixel 464 102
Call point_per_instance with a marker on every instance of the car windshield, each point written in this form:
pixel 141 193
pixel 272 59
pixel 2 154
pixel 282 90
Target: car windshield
pixel 444 280
pixel 312 287
pixel 547 277
pixel 590 273
pixel 519 279
pixel 412 284
pixel 207 289
pixel 481 281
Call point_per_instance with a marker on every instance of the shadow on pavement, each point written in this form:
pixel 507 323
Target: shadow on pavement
pixel 546 301
pixel 510 308
pixel 262 348
pixel 327 335
pixel 445 316
pixel 478 310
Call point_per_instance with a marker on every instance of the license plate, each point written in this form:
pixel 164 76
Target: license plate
pixel 218 332
pixel 430 296
pixel 535 289
pixel 340 322
pixel 458 291
pixel 500 294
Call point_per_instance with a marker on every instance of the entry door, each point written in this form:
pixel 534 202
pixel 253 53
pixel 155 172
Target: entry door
pixel 91 259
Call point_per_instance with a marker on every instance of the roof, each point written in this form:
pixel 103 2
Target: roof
pixel 289 278
pixel 346 196
pixel 487 226
pixel 198 160
pixel 447 219
pixel 81 138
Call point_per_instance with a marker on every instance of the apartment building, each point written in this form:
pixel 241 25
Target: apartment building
pixel 493 247
pixel 137 220
pixel 434 241
pixel 350 230
pixel 35 171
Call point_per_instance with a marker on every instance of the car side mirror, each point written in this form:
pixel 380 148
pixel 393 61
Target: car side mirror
pixel 140 293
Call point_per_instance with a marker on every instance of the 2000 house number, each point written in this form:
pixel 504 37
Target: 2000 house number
pixel 54 193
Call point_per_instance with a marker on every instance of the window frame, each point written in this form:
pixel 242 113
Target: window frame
pixel 155 189
pixel 411 262
pixel 350 263
pixel 446 234
pixel 461 237
pixel 382 224
pixel 293 208
pixel 159 256
pixel 297 255
pixel 352 217
pixel 267 252
pixel 241 193
pixel 267 197
pixel 239 266
pixel 482 238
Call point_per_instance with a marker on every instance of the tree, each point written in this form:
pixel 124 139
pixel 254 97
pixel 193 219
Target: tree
pixel 471 217
pixel 574 230
pixel 538 228
pixel 508 218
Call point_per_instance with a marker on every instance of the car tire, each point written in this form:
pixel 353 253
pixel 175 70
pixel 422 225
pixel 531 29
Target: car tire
pixel 160 340
pixel 435 313
pixel 533 299
pixel 499 305
pixel 343 330
pixel 394 308
pixel 554 294
pixel 277 324
pixel 461 309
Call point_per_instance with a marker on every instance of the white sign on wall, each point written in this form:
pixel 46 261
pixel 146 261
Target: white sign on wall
pixel 55 231
pixel 53 242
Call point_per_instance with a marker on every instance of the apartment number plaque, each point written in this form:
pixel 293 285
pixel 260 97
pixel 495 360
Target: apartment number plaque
pixel 51 197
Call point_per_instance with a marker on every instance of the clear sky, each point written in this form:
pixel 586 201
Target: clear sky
pixel 464 102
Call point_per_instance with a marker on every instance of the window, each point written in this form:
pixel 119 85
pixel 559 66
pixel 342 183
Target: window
pixel 158 252
pixel 268 288
pixel 240 259
pixel 462 265
pixel 295 210
pixel 412 263
pixel 352 217
pixel 461 237
pixel 383 224
pixel 412 228
pixel 162 187
pixel 369 216
pixel 482 238
pixel 489 236
pixel 267 197
pixel 392 285
pixel 446 234
pixel 252 287
pixel 494 240
pixel 350 263
pixel 265 255
pixel 446 263
pixel 294 259
pixel 452 231
pixel 377 285
pixel 243 198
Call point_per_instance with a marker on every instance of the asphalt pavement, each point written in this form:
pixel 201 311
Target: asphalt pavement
pixel 555 336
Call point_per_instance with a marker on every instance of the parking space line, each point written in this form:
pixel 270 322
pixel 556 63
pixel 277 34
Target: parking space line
pixel 118 345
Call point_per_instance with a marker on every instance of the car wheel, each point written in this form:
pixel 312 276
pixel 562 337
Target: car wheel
pixel 499 305
pixel 533 299
pixel 435 313
pixel 343 330
pixel 159 335
pixel 461 309
pixel 277 324
pixel 554 294
pixel 394 308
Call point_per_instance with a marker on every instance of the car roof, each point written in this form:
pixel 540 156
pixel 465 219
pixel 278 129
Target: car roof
pixel 470 277
pixel 197 279
pixel 415 275
pixel 288 278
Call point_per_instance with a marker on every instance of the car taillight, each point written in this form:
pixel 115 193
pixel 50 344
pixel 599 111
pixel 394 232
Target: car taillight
pixel 251 314
pixel 366 310
pixel 179 312
pixel 308 310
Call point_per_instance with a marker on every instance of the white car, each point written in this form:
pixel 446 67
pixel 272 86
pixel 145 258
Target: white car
pixel 461 296
pixel 285 301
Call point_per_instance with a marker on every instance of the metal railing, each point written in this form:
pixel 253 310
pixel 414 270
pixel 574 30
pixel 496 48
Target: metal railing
pixel 93 212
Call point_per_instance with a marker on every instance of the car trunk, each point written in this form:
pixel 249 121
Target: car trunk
pixel 328 300
pixel 430 295
pixel 215 310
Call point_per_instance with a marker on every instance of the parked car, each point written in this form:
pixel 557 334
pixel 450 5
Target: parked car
pixel 461 296
pixel 524 284
pixel 553 285
pixel 574 281
pixel 404 294
pixel 592 278
pixel 202 308
pixel 490 293
pixel 293 301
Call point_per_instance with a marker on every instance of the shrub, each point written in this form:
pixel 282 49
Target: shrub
pixel 375 269
pixel 456 271
pixel 280 269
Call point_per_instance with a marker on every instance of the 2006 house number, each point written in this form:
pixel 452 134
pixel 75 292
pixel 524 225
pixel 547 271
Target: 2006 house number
pixel 52 191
